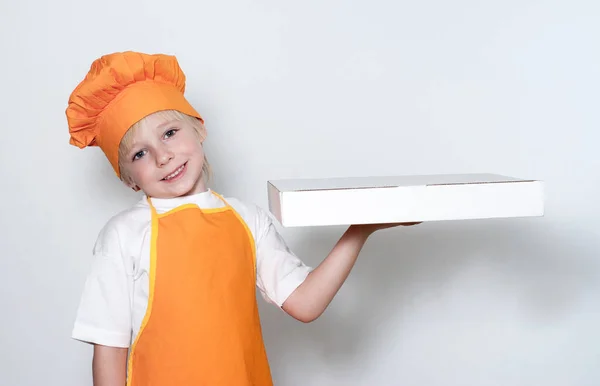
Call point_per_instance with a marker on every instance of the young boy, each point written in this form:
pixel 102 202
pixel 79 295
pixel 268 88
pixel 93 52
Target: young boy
pixel 170 298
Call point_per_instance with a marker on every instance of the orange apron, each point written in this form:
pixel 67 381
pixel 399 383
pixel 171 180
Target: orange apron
pixel 202 325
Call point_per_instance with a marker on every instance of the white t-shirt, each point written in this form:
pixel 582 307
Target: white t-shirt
pixel 116 291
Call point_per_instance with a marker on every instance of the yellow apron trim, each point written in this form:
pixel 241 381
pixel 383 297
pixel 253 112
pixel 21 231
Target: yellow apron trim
pixel 153 241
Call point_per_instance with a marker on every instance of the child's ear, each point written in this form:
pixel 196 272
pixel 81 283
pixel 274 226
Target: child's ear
pixel 130 184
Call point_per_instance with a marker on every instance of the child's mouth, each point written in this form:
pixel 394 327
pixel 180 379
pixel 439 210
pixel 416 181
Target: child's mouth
pixel 176 174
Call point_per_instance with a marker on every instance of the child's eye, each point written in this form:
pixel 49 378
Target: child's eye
pixel 170 133
pixel 139 155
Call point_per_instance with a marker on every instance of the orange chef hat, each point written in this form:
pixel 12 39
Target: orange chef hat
pixel 118 91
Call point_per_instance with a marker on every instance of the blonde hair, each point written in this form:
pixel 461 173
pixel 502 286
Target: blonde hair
pixel 170 115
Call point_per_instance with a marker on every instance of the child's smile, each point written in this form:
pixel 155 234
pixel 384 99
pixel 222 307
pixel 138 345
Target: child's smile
pixel 176 175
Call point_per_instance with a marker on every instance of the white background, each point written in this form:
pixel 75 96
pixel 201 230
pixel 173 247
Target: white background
pixel 319 89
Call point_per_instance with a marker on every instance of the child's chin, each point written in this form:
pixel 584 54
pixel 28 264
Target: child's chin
pixel 182 188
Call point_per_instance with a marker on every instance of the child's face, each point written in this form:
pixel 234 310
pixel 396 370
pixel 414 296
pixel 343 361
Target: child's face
pixel 165 159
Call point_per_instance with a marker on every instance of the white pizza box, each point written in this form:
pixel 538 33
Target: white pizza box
pixel 371 200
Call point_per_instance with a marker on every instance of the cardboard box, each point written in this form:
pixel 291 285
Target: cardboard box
pixel 368 200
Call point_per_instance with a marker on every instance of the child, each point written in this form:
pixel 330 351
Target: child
pixel 170 298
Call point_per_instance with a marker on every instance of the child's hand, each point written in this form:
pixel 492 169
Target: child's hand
pixel 369 229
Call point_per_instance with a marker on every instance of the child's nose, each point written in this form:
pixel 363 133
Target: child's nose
pixel 164 157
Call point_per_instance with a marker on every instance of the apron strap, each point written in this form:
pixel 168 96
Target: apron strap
pixel 222 199
pixel 152 208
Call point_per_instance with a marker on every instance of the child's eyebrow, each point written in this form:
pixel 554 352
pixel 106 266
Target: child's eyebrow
pixel 167 123
pixel 134 147
pixel 133 150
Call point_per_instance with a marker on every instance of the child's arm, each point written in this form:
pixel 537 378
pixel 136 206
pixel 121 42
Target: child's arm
pixel 313 296
pixel 109 366
pixel 104 314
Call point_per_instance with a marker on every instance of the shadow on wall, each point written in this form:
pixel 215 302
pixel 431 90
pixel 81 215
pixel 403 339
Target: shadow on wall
pixel 401 268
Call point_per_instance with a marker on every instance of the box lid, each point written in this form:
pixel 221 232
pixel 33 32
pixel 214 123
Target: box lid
pixel 296 185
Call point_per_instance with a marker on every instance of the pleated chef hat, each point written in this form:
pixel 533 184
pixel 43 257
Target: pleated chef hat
pixel 119 90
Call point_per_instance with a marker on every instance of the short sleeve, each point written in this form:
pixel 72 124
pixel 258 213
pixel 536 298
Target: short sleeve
pixel 104 314
pixel 279 270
